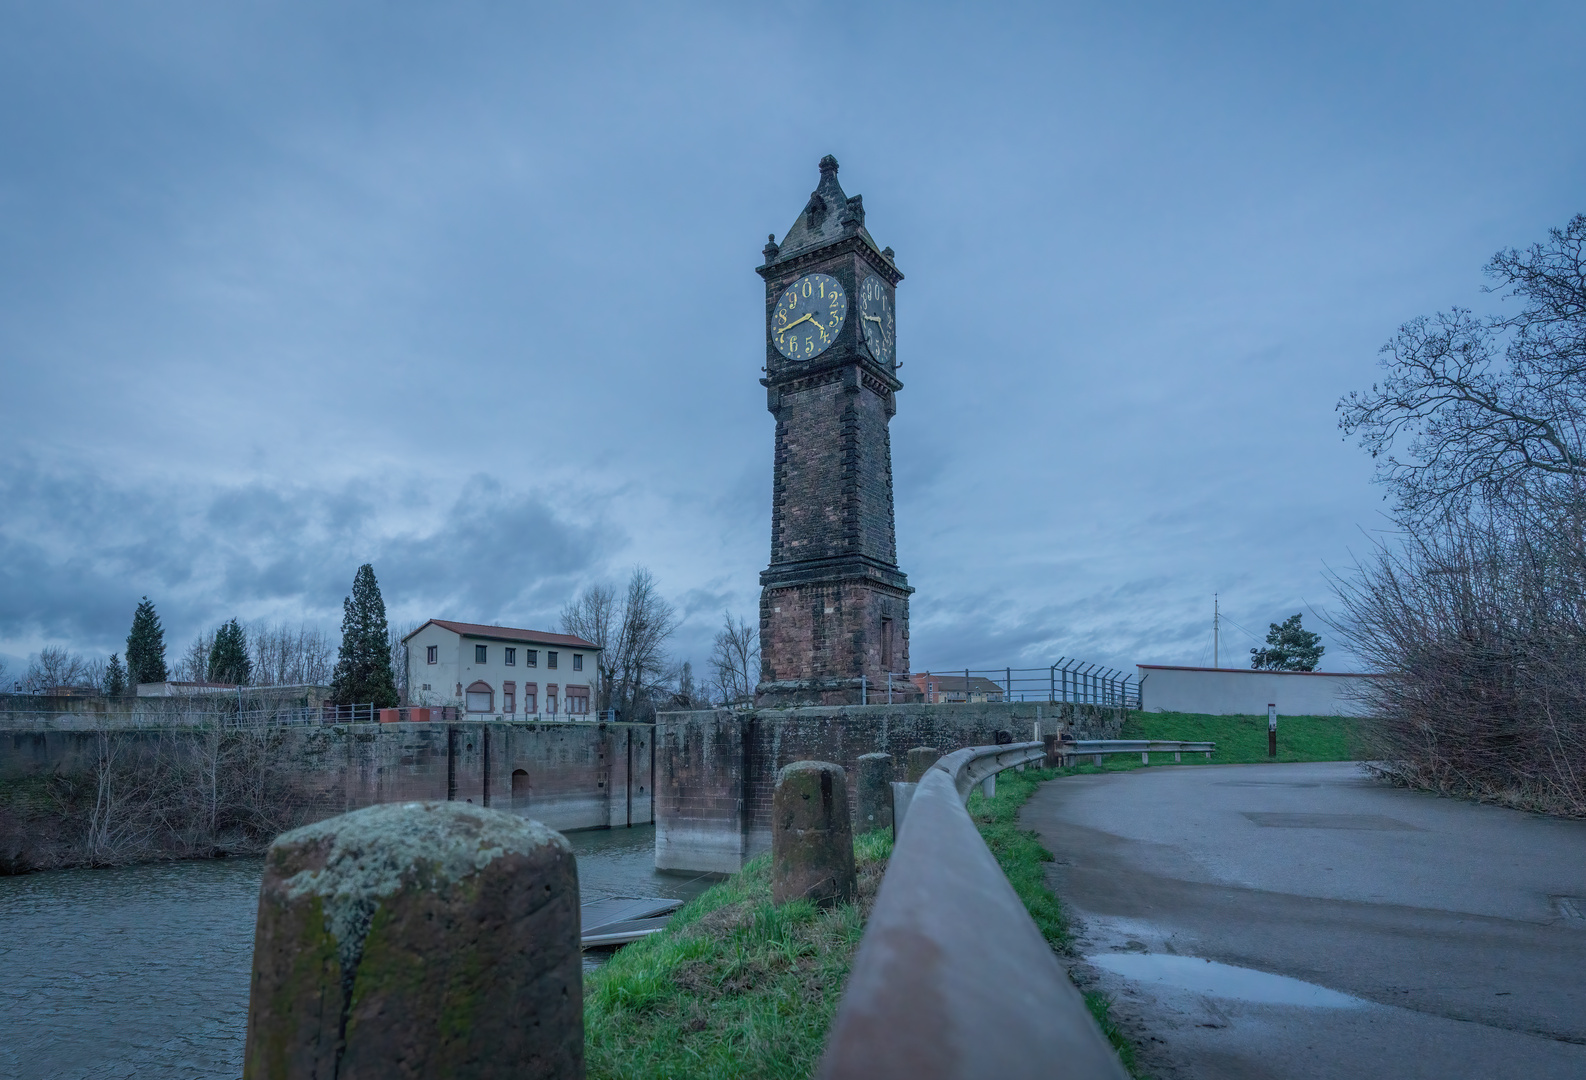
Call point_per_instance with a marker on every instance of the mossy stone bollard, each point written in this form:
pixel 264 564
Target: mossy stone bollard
pixel 873 800
pixel 812 845
pixel 921 758
pixel 428 939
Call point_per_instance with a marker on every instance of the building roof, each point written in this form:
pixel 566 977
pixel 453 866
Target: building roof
pixel 954 684
pixel 1264 671
pixel 510 633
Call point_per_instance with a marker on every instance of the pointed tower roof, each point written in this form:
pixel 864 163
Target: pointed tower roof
pixel 828 217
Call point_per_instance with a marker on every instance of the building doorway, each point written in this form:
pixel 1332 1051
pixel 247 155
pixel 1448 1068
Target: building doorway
pixel 520 789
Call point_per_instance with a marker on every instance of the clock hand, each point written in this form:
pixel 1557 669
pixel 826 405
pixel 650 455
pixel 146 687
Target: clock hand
pixel 806 317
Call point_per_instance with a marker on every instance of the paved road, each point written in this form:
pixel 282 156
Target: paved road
pixel 1458 931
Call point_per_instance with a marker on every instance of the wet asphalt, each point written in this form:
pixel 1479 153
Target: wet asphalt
pixel 1457 931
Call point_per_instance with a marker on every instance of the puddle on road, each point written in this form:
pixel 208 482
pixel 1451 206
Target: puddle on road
pixel 1222 980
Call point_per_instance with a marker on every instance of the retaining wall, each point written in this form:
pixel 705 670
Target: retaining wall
pixel 715 770
pixel 570 775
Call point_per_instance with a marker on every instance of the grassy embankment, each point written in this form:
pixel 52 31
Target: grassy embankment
pixel 1242 740
pixel 737 987
pixel 734 987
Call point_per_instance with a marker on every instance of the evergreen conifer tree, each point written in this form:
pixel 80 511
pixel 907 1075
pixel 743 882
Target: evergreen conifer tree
pixel 1290 647
pixel 115 677
pixel 146 647
pixel 363 664
pixel 228 657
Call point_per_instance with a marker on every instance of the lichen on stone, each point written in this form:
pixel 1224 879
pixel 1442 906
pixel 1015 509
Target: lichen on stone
pixel 372 853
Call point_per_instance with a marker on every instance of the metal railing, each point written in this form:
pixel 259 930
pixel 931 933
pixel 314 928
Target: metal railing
pixel 1067 680
pixel 1099 748
pixel 952 977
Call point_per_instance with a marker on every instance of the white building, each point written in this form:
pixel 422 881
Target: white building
pixel 1247 692
pixel 502 671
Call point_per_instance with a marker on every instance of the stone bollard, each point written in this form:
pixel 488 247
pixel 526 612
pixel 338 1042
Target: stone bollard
pixel 873 799
pixel 1054 756
pixel 812 845
pixel 920 759
pixel 417 939
pixel 902 796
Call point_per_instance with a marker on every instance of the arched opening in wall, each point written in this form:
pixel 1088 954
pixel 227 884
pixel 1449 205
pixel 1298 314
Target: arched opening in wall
pixel 481 698
pixel 520 789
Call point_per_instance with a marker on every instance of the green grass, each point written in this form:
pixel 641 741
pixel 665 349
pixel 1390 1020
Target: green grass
pixel 734 987
pixel 1242 740
pixel 1022 858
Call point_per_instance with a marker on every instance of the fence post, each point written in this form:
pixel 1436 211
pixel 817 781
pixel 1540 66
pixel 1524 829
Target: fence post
pixel 1007 680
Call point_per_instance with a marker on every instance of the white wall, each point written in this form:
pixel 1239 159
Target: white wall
pixel 1242 692
pixel 455 667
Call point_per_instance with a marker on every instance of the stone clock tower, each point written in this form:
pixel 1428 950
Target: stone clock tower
pixel 834 607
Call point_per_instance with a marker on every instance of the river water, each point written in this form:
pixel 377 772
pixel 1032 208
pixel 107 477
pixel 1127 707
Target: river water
pixel 143 970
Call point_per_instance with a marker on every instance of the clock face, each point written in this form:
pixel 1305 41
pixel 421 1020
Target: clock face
pixel 875 319
pixel 808 316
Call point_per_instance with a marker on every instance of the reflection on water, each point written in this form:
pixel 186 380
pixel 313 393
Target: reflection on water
pixel 143 970
pixel 1222 980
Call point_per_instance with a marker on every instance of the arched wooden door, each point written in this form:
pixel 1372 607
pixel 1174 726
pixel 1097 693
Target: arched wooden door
pixel 520 789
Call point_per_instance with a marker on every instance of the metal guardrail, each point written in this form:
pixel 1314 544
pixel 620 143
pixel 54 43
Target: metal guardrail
pixel 952 977
pixel 1098 748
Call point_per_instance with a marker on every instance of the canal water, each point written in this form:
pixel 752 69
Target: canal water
pixel 143 970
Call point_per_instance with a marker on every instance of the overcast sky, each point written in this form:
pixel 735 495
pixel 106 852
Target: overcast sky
pixel 468 291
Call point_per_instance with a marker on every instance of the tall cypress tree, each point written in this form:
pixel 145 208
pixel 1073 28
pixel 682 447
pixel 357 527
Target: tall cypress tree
pixel 363 664
pixel 146 647
pixel 228 656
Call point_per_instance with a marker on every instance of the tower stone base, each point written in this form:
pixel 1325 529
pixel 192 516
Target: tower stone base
pixel 813 633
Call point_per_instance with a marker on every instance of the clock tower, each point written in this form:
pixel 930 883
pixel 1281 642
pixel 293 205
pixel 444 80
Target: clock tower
pixel 834 607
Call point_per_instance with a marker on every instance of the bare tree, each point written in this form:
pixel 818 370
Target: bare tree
pixel 286 655
pixel 399 657
pixel 1480 627
pixel 735 660
pixel 1482 406
pixel 632 633
pixel 194 663
pixel 55 668
pixel 1476 614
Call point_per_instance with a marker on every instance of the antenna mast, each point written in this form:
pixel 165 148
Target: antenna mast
pixel 1216 629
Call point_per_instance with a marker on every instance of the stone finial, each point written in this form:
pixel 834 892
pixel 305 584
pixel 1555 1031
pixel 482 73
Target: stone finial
pixel 770 250
pixel 921 758
pixel 888 254
pixel 828 166
pixel 873 797
pixel 812 844
pixel 417 939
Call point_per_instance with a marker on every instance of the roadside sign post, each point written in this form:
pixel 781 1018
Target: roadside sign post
pixel 1272 730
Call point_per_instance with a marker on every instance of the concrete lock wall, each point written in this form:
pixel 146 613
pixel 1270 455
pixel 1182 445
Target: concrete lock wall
pixel 567 775
pixel 715 771
pixel 1242 692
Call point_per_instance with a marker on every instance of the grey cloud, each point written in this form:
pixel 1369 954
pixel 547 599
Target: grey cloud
pixel 77 550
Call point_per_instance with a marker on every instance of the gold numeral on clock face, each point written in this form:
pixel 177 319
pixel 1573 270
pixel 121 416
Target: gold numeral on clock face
pixel 816 299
